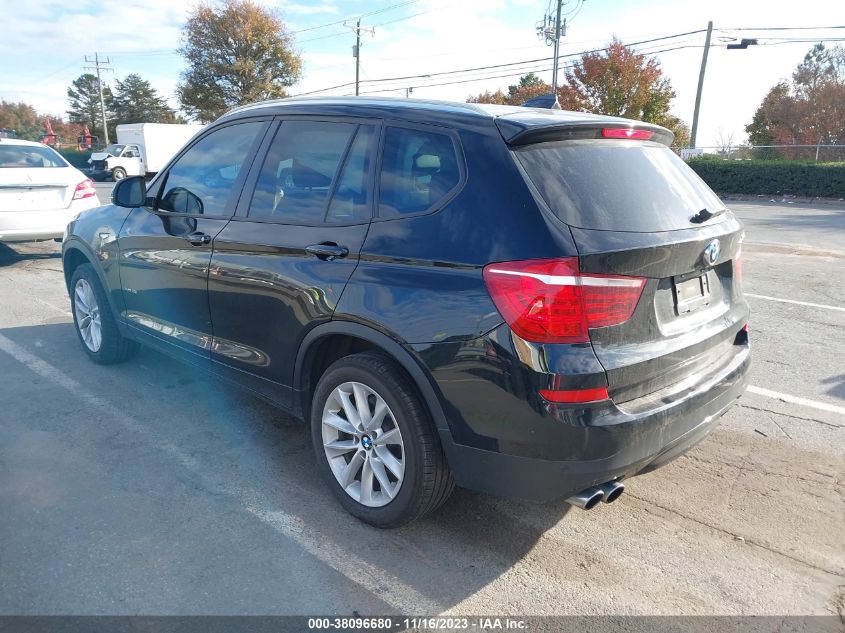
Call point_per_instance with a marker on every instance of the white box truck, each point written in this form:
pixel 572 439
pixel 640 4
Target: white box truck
pixel 142 149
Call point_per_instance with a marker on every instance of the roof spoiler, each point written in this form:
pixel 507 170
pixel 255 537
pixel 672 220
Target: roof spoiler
pixel 517 133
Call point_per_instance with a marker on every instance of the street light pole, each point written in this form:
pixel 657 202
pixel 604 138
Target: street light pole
pixel 694 130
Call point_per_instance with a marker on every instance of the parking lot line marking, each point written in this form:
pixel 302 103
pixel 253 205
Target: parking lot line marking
pixel 806 402
pixel 800 303
pixel 400 595
pixel 384 585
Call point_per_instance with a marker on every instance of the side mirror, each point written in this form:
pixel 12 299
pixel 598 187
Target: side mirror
pixel 130 192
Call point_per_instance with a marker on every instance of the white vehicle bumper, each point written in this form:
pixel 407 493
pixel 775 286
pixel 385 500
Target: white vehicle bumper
pixel 29 226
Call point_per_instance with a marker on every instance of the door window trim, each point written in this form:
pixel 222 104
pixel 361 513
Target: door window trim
pixel 160 180
pixel 460 160
pixel 242 211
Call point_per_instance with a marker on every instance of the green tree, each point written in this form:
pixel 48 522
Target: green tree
pixel 84 100
pixel 136 101
pixel 237 53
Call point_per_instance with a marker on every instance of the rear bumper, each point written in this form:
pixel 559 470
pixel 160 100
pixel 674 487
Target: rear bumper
pixel 28 226
pixel 595 443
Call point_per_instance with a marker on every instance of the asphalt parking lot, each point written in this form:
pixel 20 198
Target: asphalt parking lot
pixel 147 488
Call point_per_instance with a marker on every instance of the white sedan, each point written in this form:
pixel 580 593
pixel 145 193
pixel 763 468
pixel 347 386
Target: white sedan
pixel 40 192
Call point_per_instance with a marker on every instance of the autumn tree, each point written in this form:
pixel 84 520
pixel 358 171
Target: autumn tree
pixel 809 110
pixel 618 81
pixel 528 87
pixel 136 101
pixel 29 124
pixel 84 101
pixel 22 118
pixel 237 52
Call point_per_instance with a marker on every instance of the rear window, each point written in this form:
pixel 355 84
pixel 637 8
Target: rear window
pixel 617 185
pixel 29 156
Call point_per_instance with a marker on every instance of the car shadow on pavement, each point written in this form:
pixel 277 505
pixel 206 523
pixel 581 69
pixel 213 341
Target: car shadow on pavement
pixel 226 445
pixel 13 254
pixel 837 386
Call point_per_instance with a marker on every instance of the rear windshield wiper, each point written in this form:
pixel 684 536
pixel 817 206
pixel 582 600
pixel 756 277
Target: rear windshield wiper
pixel 704 215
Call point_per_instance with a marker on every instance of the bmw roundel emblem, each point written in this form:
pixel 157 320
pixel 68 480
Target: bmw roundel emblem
pixel 712 252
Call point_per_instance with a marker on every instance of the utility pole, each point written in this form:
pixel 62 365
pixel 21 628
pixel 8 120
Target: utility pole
pixel 551 30
pixel 356 50
pixel 694 130
pixel 98 64
pixel 556 104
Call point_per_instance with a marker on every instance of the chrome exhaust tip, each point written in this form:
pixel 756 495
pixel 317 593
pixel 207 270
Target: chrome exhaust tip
pixel 586 499
pixel 611 490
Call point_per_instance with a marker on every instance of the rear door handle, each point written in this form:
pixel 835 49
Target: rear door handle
pixel 327 251
pixel 198 239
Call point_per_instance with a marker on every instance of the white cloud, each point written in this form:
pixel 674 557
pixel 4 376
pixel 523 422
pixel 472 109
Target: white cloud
pixel 44 43
pixel 307 9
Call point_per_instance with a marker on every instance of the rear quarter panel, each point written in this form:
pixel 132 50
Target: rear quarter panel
pixel 419 277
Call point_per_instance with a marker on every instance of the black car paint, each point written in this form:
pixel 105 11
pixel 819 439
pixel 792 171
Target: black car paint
pixel 412 286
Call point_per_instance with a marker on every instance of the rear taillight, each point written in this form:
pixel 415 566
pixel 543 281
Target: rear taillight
pixel 551 301
pixel 738 266
pixel 85 189
pixel 626 132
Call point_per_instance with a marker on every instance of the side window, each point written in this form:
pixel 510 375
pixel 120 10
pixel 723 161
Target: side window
pixel 351 198
pixel 202 181
pixel 301 167
pixel 418 169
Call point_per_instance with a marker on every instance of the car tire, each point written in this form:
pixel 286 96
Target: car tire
pixel 118 173
pixel 426 481
pixel 96 326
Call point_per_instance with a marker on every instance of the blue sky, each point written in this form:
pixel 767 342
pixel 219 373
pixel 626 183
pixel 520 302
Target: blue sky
pixel 45 42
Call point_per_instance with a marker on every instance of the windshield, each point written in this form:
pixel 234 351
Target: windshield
pixel 114 150
pixel 617 185
pixel 29 156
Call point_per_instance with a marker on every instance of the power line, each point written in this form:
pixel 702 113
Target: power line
pixel 494 66
pixel 474 78
pixel 783 28
pixel 398 5
pixel 402 19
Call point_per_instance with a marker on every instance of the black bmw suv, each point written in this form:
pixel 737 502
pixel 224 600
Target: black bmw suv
pixel 532 303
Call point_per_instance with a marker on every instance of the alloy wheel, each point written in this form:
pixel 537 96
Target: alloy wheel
pixel 87 313
pixel 363 444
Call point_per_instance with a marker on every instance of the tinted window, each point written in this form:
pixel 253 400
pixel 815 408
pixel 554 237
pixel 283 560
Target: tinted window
pixel 617 185
pixel 351 199
pixel 418 170
pixel 28 156
pixel 202 181
pixel 297 176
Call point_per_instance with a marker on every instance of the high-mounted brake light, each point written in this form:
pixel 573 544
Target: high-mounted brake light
pixel 551 301
pixel 626 132
pixel 85 189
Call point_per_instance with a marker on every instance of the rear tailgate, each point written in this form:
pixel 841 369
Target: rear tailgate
pixel 635 209
pixel 688 316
